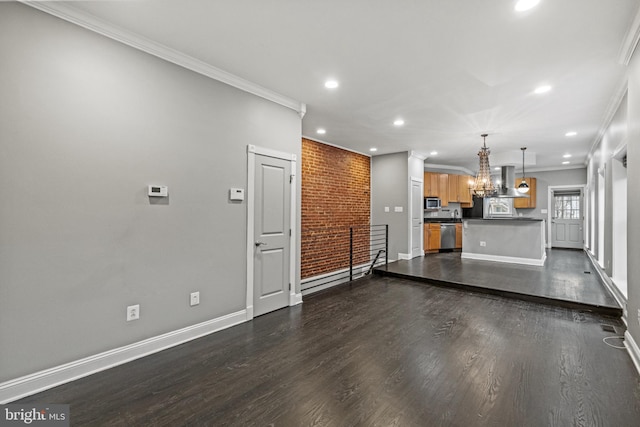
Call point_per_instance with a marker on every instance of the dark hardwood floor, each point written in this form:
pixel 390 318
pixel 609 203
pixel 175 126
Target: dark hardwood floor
pixel 567 279
pixel 383 351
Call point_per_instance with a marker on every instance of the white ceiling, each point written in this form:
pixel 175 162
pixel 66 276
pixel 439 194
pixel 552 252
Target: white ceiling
pixel 451 69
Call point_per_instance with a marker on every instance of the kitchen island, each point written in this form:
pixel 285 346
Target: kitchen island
pixel 515 240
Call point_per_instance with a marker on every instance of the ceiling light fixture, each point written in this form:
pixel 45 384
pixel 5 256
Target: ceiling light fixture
pixel 321 131
pixel 373 149
pixel 566 156
pixel 483 186
pixel 523 187
pixel 565 163
pixel 523 5
pixel 398 122
pixel 331 84
pixel 542 89
pixel 433 153
pixel 572 133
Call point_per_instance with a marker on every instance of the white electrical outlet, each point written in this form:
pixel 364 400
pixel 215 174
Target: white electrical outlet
pixel 133 312
pixel 195 298
pixel 483 243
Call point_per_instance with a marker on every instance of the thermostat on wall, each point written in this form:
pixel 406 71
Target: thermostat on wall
pixel 236 194
pixel 158 191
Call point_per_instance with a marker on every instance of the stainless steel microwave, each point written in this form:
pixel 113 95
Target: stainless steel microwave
pixel 432 203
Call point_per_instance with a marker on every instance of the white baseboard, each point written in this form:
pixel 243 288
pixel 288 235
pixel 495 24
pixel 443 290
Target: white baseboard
pixel 632 349
pixel 613 289
pixel 404 256
pixel 507 259
pixel 30 384
pixel 295 299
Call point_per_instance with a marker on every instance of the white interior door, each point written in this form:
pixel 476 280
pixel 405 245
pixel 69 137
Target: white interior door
pixel 272 210
pixel 417 219
pixel 567 220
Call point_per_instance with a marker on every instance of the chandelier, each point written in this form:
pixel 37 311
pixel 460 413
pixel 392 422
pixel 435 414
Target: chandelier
pixel 483 186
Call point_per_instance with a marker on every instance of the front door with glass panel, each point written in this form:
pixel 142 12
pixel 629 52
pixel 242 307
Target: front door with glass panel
pixel 566 223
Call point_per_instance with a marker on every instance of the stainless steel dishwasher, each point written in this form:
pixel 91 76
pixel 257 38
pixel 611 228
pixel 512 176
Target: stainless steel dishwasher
pixel 447 236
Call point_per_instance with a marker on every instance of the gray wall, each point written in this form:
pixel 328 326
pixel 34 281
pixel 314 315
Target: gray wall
pixel 86 124
pixel 389 187
pixel 633 202
pixel 551 178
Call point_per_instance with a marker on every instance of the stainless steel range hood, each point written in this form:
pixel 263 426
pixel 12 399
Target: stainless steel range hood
pixel 507 187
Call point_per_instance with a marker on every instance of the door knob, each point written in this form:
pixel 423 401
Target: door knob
pixel 260 244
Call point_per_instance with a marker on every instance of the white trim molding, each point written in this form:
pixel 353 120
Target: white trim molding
pixel 632 349
pixel 630 41
pixel 608 283
pixel 404 256
pixel 252 150
pixel 507 259
pixel 136 41
pixel 319 141
pixel 34 383
pixel 550 190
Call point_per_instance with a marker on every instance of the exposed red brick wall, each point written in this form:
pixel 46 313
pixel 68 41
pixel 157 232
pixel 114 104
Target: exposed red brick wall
pixel 335 196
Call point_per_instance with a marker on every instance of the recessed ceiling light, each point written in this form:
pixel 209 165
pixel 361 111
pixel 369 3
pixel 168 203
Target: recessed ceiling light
pixel 321 131
pixel 331 84
pixel 572 133
pixel 523 5
pixel 497 168
pixel 373 149
pixel 542 89
pixel 398 122
pixel 433 153
pixel 566 156
pixel 566 163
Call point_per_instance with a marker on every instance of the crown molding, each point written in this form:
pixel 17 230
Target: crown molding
pixel 335 145
pixel 612 109
pixel 435 166
pixel 630 41
pixel 92 23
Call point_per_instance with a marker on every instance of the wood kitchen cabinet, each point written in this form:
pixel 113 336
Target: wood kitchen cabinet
pixel 429 190
pixel 459 190
pixel 443 188
pixel 466 199
pixel 458 236
pixel 454 189
pixel 437 185
pixel 526 203
pixel 431 237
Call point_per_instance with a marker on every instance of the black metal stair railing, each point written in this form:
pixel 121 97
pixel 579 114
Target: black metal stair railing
pixel 331 256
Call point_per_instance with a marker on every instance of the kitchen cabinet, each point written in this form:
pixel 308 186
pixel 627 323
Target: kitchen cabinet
pixel 429 190
pixel 431 237
pixel 443 188
pixel 437 185
pixel 466 199
pixel 454 189
pixel 526 203
pixel 459 190
pixel 458 236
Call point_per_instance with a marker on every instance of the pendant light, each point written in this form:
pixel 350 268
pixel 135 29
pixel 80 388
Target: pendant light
pixel 483 186
pixel 523 187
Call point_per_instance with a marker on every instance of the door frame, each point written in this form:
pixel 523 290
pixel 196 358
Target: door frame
pixel 252 150
pixel 411 202
pixel 550 190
